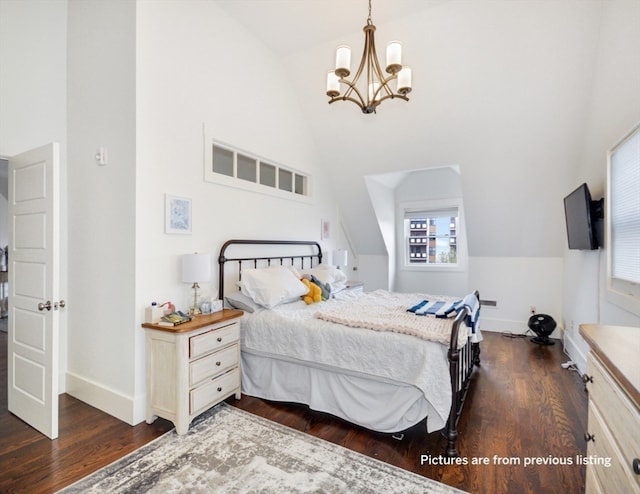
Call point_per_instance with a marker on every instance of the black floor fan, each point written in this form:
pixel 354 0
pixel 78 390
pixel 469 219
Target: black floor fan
pixel 542 325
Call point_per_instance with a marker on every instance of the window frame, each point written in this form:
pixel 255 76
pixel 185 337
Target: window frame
pixel 431 206
pixel 623 293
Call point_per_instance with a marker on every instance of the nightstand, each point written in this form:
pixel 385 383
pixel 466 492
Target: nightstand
pixel 192 367
pixel 354 286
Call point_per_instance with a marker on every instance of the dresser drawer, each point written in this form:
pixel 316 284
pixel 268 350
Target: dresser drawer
pixel 622 417
pixel 618 477
pixel 214 391
pixel 213 364
pixel 593 483
pixel 214 339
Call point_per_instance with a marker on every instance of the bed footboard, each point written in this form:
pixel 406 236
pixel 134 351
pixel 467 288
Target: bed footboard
pixel 461 364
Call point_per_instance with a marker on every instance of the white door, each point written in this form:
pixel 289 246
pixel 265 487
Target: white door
pixel 33 288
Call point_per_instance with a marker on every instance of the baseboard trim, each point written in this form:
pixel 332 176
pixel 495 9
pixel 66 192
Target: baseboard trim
pixel 511 326
pixel 107 400
pixel 574 351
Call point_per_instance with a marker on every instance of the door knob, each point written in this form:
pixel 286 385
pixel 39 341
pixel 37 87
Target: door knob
pixel 45 305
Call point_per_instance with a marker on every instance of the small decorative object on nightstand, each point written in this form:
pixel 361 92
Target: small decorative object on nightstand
pixel 192 367
pixel 354 286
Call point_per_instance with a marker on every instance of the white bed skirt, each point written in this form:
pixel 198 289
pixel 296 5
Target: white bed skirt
pixel 374 404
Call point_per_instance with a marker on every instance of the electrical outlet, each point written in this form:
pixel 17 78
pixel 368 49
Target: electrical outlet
pixel 532 309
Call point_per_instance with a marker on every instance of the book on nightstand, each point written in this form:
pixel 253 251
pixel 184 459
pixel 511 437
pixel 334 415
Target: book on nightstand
pixel 174 319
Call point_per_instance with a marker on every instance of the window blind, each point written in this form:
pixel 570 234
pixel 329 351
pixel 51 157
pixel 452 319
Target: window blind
pixel 411 214
pixel 624 203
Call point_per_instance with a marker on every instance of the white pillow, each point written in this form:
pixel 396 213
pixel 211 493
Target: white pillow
pixel 272 286
pixel 239 300
pixel 336 278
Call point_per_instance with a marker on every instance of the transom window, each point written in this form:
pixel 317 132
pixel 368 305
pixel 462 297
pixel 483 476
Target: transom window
pixel 229 166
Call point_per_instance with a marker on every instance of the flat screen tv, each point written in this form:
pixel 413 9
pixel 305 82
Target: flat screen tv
pixel 581 216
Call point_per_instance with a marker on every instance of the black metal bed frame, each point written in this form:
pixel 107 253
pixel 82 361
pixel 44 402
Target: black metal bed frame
pixel 461 360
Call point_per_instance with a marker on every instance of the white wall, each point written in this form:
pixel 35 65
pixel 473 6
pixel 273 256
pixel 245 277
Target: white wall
pixel 196 65
pixel 33 68
pixel 516 284
pixel 500 87
pixel 142 78
pixel 614 110
pixel 101 112
pixel 33 99
pixel 382 196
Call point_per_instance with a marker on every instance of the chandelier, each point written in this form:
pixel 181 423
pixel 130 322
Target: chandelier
pixel 377 87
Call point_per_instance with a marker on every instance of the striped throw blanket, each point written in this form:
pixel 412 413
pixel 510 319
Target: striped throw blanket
pixel 437 308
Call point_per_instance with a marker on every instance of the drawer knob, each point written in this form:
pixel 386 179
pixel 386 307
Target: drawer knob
pixel 589 437
pixel 636 466
pixel 219 389
pixel 587 379
pixel 219 339
pixel 218 363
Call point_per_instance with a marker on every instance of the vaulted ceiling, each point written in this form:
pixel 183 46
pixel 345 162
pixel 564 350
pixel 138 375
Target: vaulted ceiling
pixel 500 88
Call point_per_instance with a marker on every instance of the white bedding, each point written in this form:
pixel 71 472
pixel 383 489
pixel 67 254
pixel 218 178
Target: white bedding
pixel 290 332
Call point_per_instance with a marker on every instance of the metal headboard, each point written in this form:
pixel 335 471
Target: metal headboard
pixel 223 259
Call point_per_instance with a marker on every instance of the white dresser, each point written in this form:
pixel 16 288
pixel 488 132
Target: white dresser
pixel 613 382
pixel 192 367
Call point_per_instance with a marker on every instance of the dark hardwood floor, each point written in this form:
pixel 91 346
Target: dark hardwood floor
pixel 522 405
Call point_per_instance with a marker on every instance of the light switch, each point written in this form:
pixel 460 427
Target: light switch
pixel 101 155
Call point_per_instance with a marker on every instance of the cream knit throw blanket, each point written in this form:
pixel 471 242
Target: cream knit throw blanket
pixel 387 311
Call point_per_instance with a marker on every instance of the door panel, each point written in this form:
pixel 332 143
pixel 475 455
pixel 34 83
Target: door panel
pixel 30 232
pixel 34 281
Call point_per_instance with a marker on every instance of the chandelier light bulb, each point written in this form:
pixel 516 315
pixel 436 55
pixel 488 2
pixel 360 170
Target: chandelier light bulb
pixel 394 57
pixel 404 80
pixel 343 61
pixel 333 84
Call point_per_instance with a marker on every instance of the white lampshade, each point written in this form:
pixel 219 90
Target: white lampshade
pixel 394 57
pixel 333 84
pixel 340 257
pixel 196 267
pixel 404 80
pixel 343 61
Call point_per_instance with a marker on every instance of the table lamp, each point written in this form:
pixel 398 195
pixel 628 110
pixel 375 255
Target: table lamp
pixel 195 268
pixel 340 258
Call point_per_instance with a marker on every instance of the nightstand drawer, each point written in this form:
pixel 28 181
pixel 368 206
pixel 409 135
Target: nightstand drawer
pixel 212 340
pixel 213 364
pixel 214 391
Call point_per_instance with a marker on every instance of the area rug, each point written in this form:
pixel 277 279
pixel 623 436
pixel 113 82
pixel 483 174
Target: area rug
pixel 228 450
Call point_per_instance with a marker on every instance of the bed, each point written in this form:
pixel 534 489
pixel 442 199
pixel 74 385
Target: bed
pixel 363 357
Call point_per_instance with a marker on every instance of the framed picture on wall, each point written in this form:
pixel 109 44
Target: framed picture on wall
pixel 325 230
pixel 177 214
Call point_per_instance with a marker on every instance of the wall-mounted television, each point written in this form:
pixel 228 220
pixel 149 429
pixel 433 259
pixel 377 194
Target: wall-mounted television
pixel 583 218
